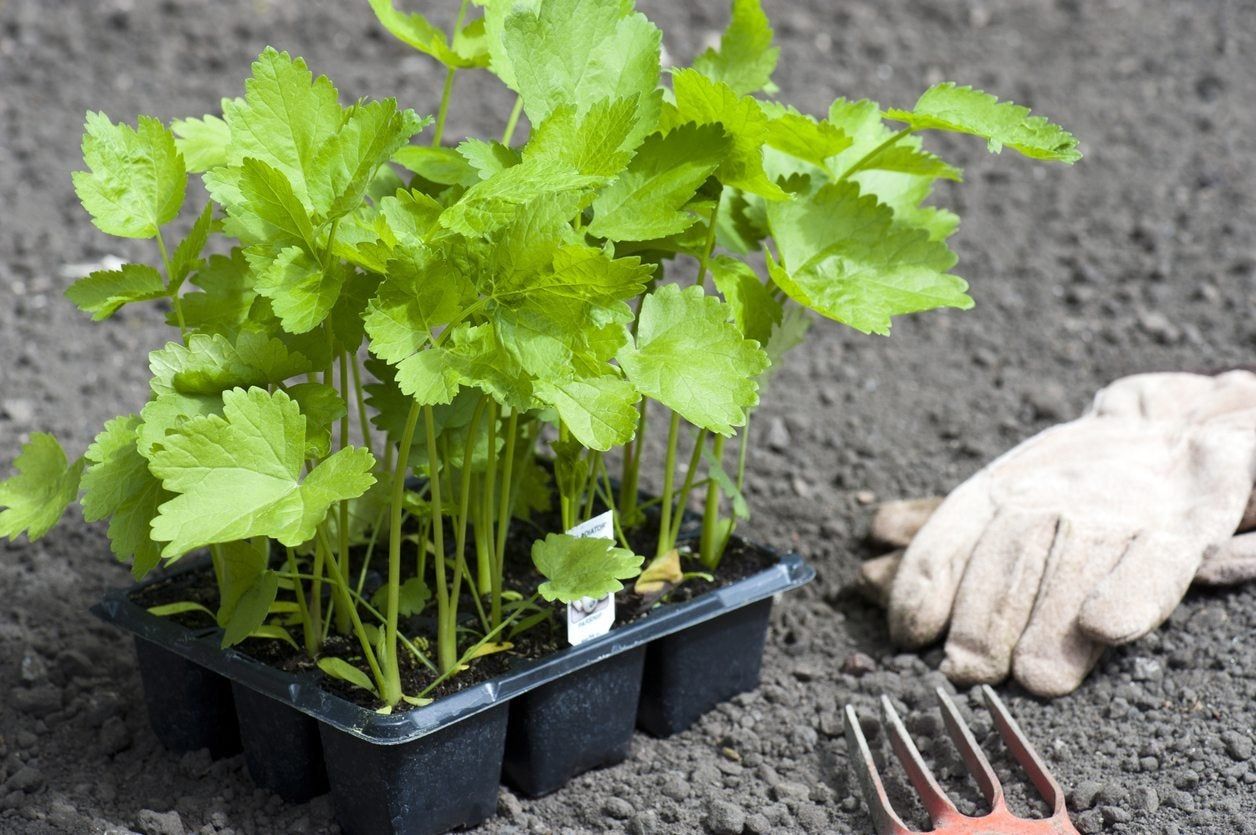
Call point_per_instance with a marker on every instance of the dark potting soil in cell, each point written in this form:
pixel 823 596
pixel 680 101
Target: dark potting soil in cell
pixel 545 638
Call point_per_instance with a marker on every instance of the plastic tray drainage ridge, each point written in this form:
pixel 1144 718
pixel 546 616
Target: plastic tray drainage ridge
pixel 437 768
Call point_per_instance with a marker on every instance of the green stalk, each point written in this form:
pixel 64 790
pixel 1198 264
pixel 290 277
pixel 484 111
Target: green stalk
pixel 446 639
pixel 309 635
pixel 711 511
pixel 513 121
pixel 669 477
pixel 464 494
pixel 708 246
pixel 342 517
pixel 691 473
pixel 484 538
pixel 438 132
pixel 505 500
pixel 172 288
pixel 316 593
pixel 390 688
pixel 364 420
pixel 342 582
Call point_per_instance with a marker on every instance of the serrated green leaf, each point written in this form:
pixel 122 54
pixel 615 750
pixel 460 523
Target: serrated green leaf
pixel 210 364
pixel 707 102
pixel 843 257
pixel 949 107
pixel 576 567
pixel 187 255
pixel 415 30
pixel 598 141
pixel 802 136
pixel 745 58
pixel 788 334
pixel 225 296
pixel 269 210
pixel 443 166
pixel 239 566
pixel 754 309
pixel 238 476
pixel 322 406
pixel 302 292
pixel 136 180
pixel 690 358
pixel 492 204
pixel 905 159
pixel 487 158
pixel 203 142
pixel 412 597
pixel 283 120
pixel 647 201
pixel 600 411
pixel 117 485
pixel 410 218
pixel 104 292
pixel 345 165
pixel 579 52
pixel 44 484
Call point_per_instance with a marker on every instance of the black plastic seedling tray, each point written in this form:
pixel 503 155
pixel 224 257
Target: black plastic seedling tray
pixel 435 768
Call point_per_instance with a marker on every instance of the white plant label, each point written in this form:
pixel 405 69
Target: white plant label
pixel 589 617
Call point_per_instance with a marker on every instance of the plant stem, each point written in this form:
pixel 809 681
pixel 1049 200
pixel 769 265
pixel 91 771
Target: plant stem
pixel 513 121
pixel 438 133
pixel 309 635
pixel 342 583
pixel 364 421
pixel 342 517
pixel 485 541
pixel 691 473
pixel 711 512
pixel 631 470
pixel 669 477
pixel 390 689
pixel 504 507
pixel 708 247
pixel 172 288
pixel 464 492
pixel 446 639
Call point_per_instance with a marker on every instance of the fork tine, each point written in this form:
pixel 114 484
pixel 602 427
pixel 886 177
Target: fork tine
pixel 1024 753
pixel 883 816
pixel 936 803
pixel 974 757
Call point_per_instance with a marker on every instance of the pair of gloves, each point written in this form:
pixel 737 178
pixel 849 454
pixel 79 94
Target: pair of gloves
pixel 1084 536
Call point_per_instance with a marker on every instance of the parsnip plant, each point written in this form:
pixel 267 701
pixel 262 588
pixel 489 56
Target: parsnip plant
pixel 377 331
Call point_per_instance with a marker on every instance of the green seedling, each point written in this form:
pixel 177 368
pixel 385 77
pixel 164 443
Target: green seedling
pixel 378 332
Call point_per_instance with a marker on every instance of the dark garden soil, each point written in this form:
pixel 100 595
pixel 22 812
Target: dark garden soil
pixel 1142 257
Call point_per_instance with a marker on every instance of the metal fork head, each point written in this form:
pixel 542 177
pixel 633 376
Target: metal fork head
pixel 943 814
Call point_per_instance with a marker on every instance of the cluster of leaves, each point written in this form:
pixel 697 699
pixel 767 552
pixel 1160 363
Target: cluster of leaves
pixel 386 328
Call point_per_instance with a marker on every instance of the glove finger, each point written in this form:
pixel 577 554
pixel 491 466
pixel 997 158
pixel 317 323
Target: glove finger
pixel 876 576
pixel 927 579
pixel 895 524
pixel 1230 563
pixel 1142 590
pixel 1053 655
pixel 1248 523
pixel 996 597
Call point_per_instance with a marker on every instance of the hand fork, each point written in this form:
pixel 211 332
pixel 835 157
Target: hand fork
pixel 942 812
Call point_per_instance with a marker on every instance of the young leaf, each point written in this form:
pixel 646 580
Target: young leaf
pixel 843 257
pixel 600 141
pixel 44 485
pixel 301 291
pixel 746 57
pixel 345 164
pixel 187 255
pixel 118 485
pixel 950 107
pixel 600 411
pixel 579 52
pixel 442 166
pixel 181 607
pixel 210 364
pixel 717 474
pixel 647 201
pixel 707 102
pixel 576 567
pixel 248 614
pixel 802 136
pixel 137 177
pixel 492 204
pixel 411 597
pixel 284 118
pixel 415 29
pixel 225 297
pixel 754 309
pixel 269 210
pixel 690 358
pixel 203 142
pixel 103 292
pixel 340 669
pixel 238 476
pixel 322 406
pixel 487 158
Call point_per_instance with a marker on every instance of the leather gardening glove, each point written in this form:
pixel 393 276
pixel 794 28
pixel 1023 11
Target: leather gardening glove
pixel 1085 535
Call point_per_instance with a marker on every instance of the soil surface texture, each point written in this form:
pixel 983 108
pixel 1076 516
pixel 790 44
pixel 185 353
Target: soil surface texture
pixel 1139 258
